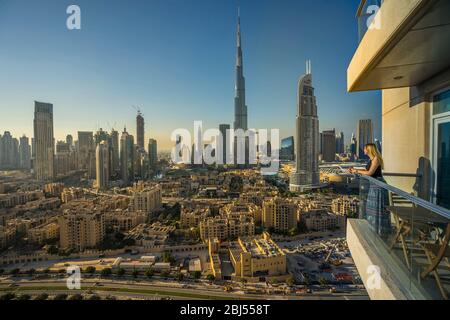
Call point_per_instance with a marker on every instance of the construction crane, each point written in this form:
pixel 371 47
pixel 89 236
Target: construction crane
pixel 138 109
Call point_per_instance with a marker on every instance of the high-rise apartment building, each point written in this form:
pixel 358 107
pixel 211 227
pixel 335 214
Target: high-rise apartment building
pixel 140 131
pixel 127 157
pixel 44 141
pixel 364 136
pixel 25 153
pixel 114 153
pixel 329 145
pixel 86 152
pixel 102 165
pixel 153 153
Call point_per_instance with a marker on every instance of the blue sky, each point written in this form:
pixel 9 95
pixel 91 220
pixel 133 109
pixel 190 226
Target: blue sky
pixel 175 59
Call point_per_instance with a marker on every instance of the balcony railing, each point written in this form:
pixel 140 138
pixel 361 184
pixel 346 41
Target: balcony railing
pixel 366 11
pixel 413 234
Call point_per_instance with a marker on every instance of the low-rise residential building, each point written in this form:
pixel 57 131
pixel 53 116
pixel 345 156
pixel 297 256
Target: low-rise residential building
pixel 258 257
pixel 345 206
pixel 321 220
pixel 191 217
pixel 7 235
pixel 227 227
pixel 43 233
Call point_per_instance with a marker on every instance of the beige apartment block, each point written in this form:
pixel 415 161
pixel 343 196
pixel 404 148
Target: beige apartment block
pixel 81 230
pixel 43 233
pixel 279 214
pixel 257 257
pixel 148 199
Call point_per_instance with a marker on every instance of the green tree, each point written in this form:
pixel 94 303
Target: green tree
pixel 167 257
pixel 149 273
pixel 24 297
pixel 2 271
pixel 135 273
pixel 7 296
pixel 95 297
pixel 210 277
pixel 31 272
pixel 53 250
pixel 290 281
pixel 42 296
pixel 106 272
pixel 121 272
pixel 76 297
pixel 197 275
pixel 15 272
pixel 323 282
pixel 60 297
pixel 90 269
pixel 180 276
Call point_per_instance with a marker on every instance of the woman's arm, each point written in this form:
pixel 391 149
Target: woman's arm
pixel 372 169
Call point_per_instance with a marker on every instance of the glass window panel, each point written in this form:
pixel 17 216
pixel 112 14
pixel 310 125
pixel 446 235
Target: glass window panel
pixel 441 103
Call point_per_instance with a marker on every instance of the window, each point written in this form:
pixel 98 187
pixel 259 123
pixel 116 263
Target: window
pixel 441 103
pixel 441 148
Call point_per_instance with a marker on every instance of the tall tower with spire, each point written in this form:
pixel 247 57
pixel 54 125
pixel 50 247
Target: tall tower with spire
pixel 240 108
pixel 306 175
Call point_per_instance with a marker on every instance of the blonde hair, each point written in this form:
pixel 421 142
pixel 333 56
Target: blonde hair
pixel 373 152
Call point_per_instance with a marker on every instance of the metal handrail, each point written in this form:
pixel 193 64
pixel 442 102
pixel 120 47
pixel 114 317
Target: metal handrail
pixel 445 213
pixel 404 175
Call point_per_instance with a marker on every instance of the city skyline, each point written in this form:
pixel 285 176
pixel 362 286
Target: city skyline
pixel 70 105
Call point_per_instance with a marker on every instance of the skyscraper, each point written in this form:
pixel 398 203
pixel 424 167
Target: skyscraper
pixel 223 128
pixel 365 136
pixel 86 152
pixel 114 149
pixel 240 108
pixel 127 157
pixel 44 141
pixel 140 131
pixel 153 153
pixel 287 152
pixel 306 173
pixel 329 145
pixel 102 165
pixel 9 151
pixel 25 153
pixel 340 143
pixel 69 141
pixel 353 146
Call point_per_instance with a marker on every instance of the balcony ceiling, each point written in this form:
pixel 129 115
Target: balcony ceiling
pixel 412 46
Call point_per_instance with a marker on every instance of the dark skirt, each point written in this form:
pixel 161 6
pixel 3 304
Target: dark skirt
pixel 374 201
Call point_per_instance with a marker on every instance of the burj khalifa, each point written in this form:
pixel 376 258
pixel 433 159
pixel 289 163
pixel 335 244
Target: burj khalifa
pixel 240 108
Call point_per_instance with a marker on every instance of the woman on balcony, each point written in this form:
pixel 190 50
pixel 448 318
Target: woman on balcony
pixel 377 197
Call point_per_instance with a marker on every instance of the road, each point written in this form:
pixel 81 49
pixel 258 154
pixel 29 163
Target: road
pixel 150 290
